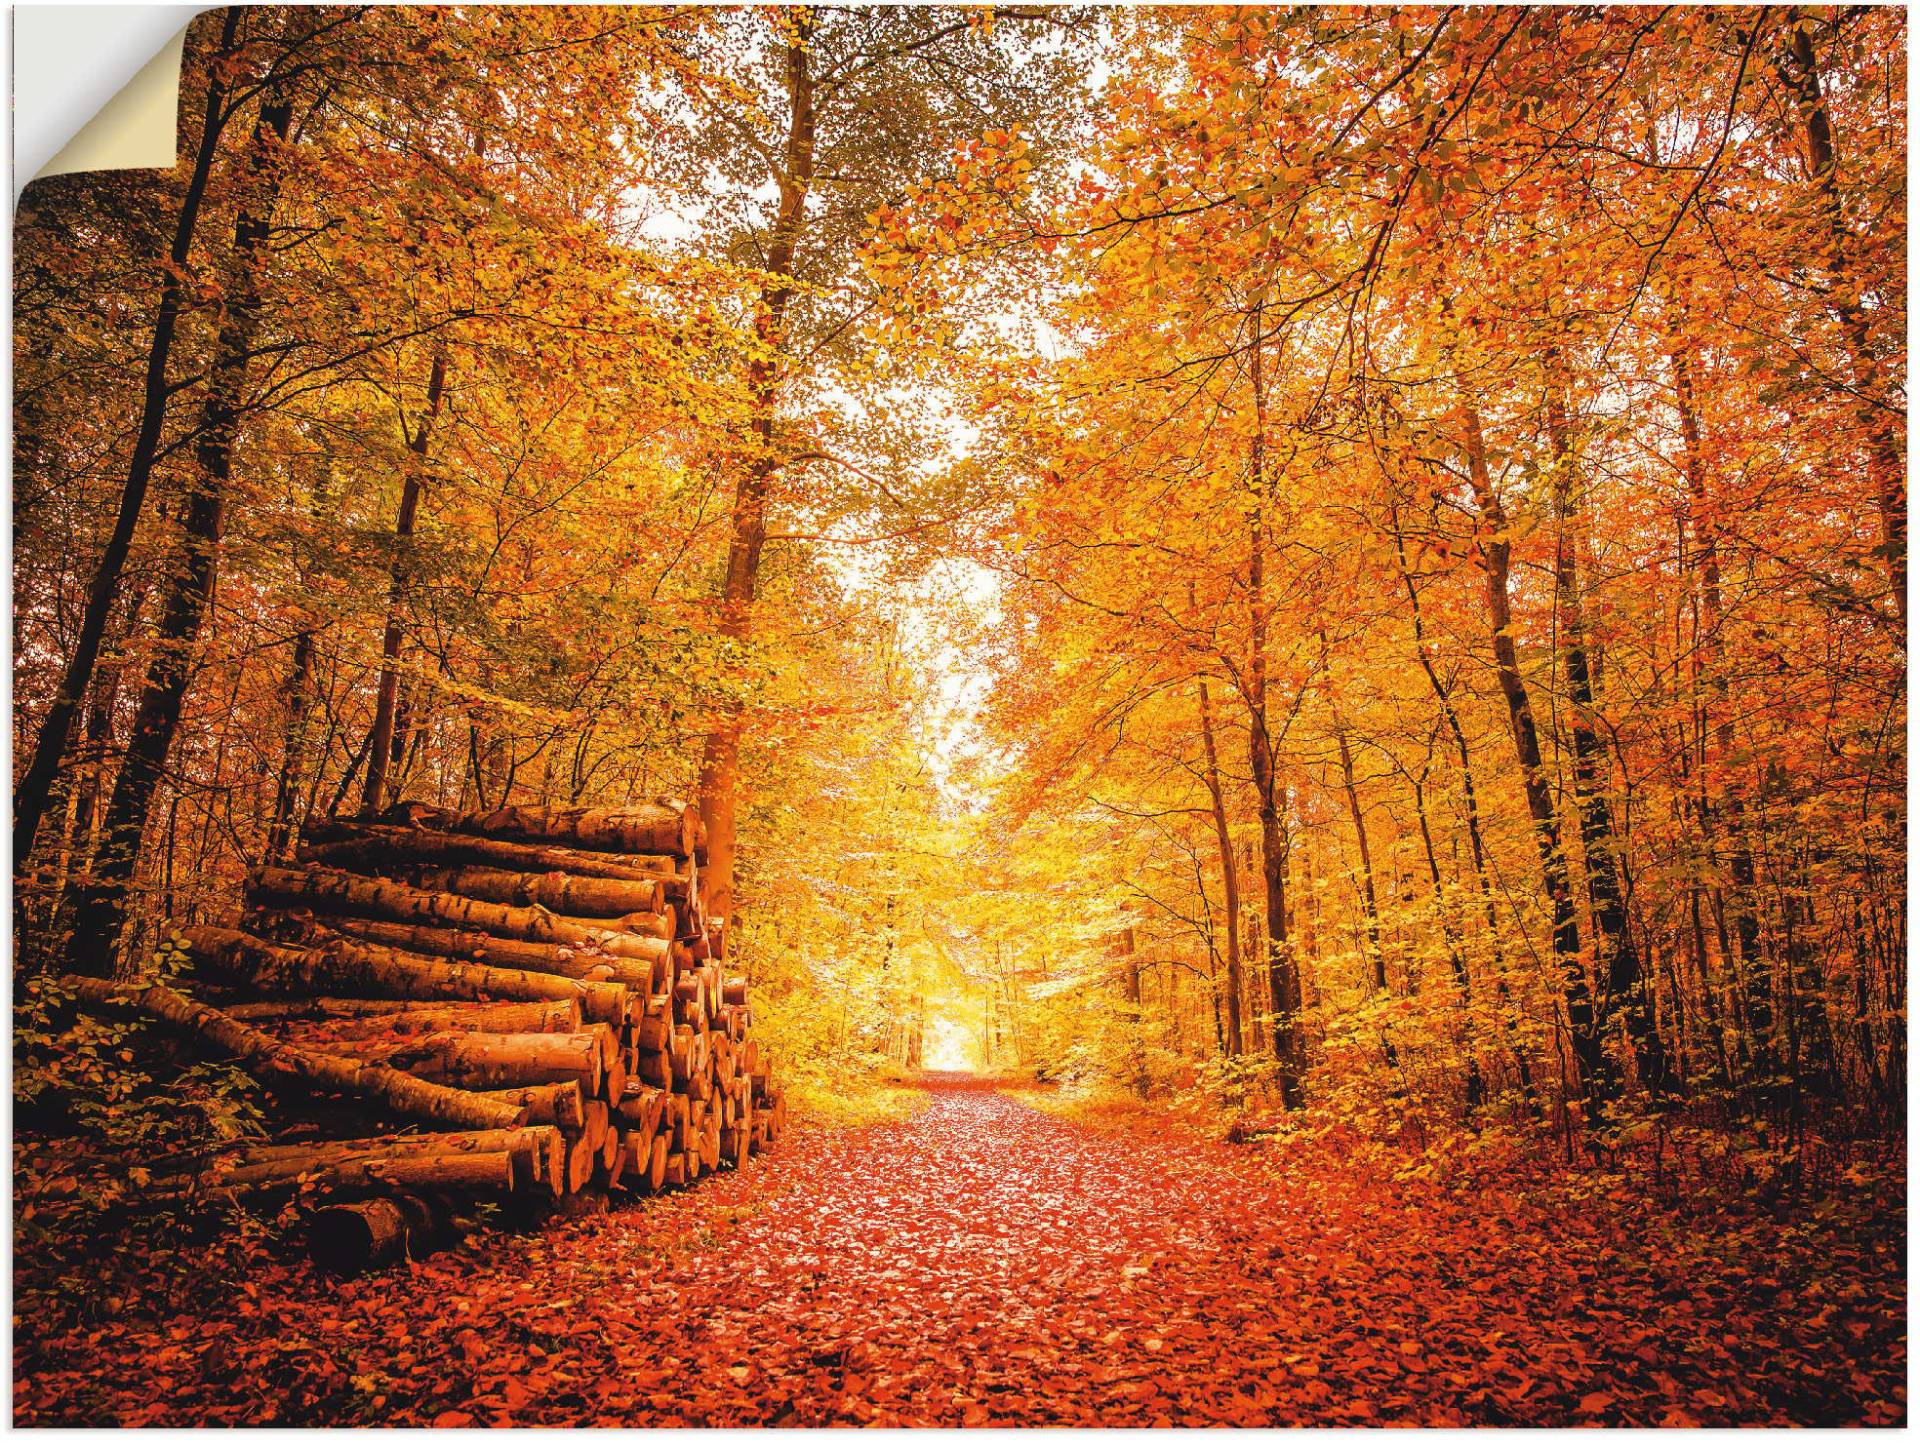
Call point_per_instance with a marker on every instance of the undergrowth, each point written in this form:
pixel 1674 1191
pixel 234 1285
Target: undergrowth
pixel 853 1102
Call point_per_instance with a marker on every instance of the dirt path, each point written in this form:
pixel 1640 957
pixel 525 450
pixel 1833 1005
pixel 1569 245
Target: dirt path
pixel 985 1263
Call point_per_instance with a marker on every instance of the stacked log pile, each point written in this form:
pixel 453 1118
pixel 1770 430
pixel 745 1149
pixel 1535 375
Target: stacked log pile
pixel 522 1004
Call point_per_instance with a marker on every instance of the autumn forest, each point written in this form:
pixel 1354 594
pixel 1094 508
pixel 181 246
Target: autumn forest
pixel 968 716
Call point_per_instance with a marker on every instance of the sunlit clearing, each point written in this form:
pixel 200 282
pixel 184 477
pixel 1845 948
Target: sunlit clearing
pixel 950 1045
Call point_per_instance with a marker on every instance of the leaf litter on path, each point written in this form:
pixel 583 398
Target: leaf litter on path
pixel 984 1263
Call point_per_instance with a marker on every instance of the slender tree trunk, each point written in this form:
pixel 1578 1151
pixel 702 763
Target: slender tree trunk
pixel 1799 68
pixel 1755 980
pixel 1626 987
pixel 1369 897
pixel 94 788
pixel 1283 974
pixel 720 765
pixel 1470 798
pixel 36 785
pixel 101 910
pixel 1456 959
pixel 292 748
pixel 1229 875
pixel 380 741
pixel 1596 1068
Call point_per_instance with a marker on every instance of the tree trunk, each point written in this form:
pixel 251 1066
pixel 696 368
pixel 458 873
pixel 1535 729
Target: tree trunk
pixel 1456 959
pixel 292 748
pixel 96 786
pixel 1283 974
pixel 380 738
pixel 1229 875
pixel 1626 987
pixel 100 912
pixel 1752 970
pixel 1596 1068
pixel 720 765
pixel 1799 68
pixel 279 1065
pixel 1369 898
pixel 36 784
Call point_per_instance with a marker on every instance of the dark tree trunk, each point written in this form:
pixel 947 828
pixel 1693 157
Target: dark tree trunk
pixel 1627 988
pixel 292 748
pixel 1229 876
pixel 101 910
pixel 1751 966
pixel 720 765
pixel 380 742
pixel 1799 68
pixel 1597 1070
pixel 36 785
pixel 1283 973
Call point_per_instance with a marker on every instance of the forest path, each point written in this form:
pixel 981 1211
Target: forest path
pixel 983 1262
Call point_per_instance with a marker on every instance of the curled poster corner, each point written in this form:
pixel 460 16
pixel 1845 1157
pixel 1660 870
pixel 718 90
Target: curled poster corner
pixel 95 87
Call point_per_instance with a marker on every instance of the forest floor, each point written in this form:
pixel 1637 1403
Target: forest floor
pixel 981 1262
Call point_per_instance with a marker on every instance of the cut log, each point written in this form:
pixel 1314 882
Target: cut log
pixel 536 1154
pixel 582 1154
pixel 278 1064
pixel 556 891
pixel 488 1139
pixel 558 1104
pixel 489 1060
pixel 612 1162
pixel 675 1172
pixel 350 1237
pixel 690 998
pixel 369 847
pixel 651 827
pixel 655 1068
pixel 326 891
pixel 381 1171
pixel 643 1110
pixel 561 1016
pixel 646 1165
pixel 610 1049
pixel 653 1033
pixel 594 1128
pixel 579 964
pixel 342 965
